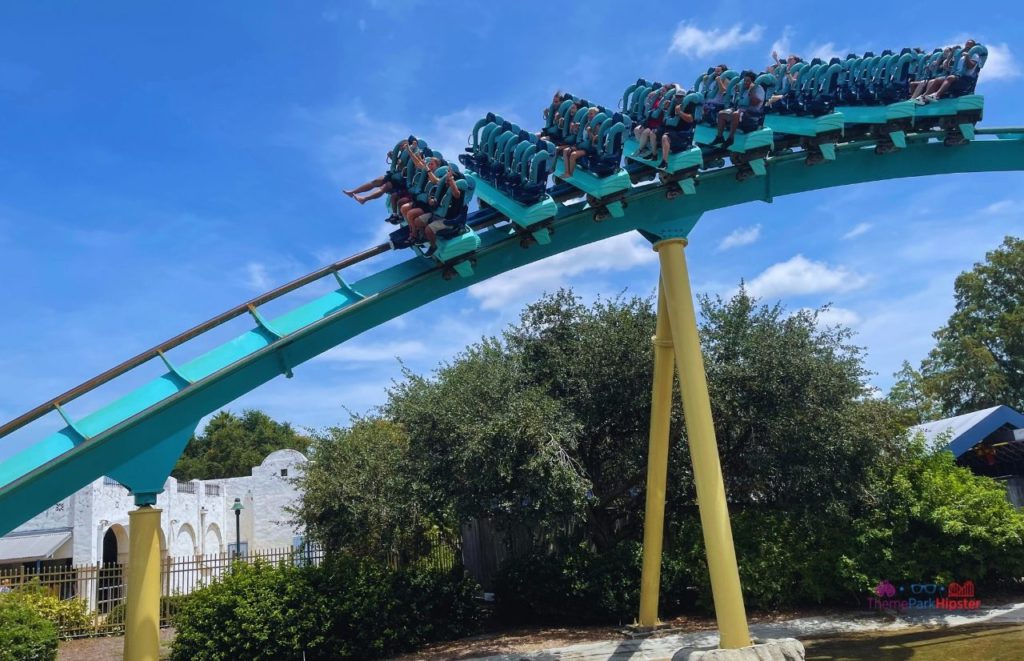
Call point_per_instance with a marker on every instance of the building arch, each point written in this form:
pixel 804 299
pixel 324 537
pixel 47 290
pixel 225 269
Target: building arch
pixel 185 542
pixel 213 541
pixel 114 545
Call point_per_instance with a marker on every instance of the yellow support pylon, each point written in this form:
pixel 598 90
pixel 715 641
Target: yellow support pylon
pixel 657 467
pixel 142 619
pixel 676 300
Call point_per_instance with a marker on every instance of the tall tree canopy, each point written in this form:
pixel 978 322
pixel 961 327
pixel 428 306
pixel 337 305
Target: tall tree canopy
pixel 231 445
pixel 547 426
pixel 978 359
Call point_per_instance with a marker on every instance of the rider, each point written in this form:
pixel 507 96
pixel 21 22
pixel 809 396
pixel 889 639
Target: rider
pixel 574 152
pixel 749 113
pixel 679 137
pixel 451 211
pixel 388 181
pixel 961 82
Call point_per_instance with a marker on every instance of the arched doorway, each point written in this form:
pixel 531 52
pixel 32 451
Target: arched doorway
pixel 110 573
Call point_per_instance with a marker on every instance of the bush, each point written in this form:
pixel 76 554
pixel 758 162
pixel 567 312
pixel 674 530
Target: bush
pixel 580 586
pixel 346 609
pixel 68 615
pixel 25 635
pixel 169 604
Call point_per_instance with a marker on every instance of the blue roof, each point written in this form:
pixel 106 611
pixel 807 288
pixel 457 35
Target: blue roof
pixel 967 430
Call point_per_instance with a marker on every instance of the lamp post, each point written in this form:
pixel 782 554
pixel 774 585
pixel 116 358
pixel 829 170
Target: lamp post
pixel 238 525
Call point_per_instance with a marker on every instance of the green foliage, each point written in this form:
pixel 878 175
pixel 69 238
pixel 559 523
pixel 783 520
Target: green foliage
pixel 25 635
pixel 170 605
pixel 347 609
pixel 922 519
pixel 595 362
pixel 578 586
pixel 582 586
pixel 360 495
pixel 909 394
pixel 68 615
pixel 484 442
pixel 978 359
pixel 788 399
pixel 231 445
pixel 256 612
pixel 934 520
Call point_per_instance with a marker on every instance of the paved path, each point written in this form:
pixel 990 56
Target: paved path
pixel 664 647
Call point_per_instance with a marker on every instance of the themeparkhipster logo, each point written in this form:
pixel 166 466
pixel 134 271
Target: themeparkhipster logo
pixel 954 596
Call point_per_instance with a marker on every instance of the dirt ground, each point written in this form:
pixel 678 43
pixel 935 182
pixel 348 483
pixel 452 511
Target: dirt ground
pixel 520 639
pixel 503 641
pixel 105 648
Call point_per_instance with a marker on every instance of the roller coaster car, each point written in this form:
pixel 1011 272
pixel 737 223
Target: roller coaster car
pixel 956 116
pixel 749 147
pixel 510 170
pixel 961 109
pixel 606 195
pixel 598 173
pixel 803 114
pixel 455 248
pixel 747 152
pixel 681 173
pixel 684 158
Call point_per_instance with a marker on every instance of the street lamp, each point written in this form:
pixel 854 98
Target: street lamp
pixel 238 525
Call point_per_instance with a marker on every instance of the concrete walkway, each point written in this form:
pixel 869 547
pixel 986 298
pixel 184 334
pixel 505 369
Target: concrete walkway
pixel 805 628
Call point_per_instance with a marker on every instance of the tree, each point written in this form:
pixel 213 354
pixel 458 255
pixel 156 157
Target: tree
pixel 597 362
pixel 360 493
pixel 231 445
pixel 910 396
pixel 485 443
pixel 793 417
pixel 978 359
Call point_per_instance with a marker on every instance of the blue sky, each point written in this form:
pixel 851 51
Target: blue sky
pixel 162 163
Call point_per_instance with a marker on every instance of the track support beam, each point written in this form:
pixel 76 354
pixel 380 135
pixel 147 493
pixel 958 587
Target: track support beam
pixel 142 620
pixel 676 303
pixel 657 467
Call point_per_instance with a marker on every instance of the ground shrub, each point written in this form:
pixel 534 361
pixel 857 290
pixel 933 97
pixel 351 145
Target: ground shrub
pixel 346 609
pixel 170 604
pixel 68 615
pixel 581 586
pixel 25 635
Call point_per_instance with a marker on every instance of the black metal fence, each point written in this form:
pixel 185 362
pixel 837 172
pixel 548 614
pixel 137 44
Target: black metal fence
pixel 89 599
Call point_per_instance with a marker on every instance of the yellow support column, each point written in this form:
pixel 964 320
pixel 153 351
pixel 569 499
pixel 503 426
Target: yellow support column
pixel 657 467
pixel 700 430
pixel 142 620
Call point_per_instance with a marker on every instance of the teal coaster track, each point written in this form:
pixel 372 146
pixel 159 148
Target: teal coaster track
pixel 138 438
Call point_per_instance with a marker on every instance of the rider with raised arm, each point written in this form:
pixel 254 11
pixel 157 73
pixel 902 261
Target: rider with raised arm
pixel 445 216
pixel 960 82
pixel 751 111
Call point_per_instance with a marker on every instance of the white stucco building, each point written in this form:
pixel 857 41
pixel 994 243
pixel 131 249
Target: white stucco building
pixel 91 526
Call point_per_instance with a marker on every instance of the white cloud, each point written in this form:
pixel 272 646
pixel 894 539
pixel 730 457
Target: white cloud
pixel 781 46
pixel 256 276
pixel 743 236
pixel 366 352
pixel 860 228
pixel 692 41
pixel 1001 206
pixel 347 139
pixel 1000 64
pixel 619 253
pixel 833 316
pixel 800 275
pixel 824 51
